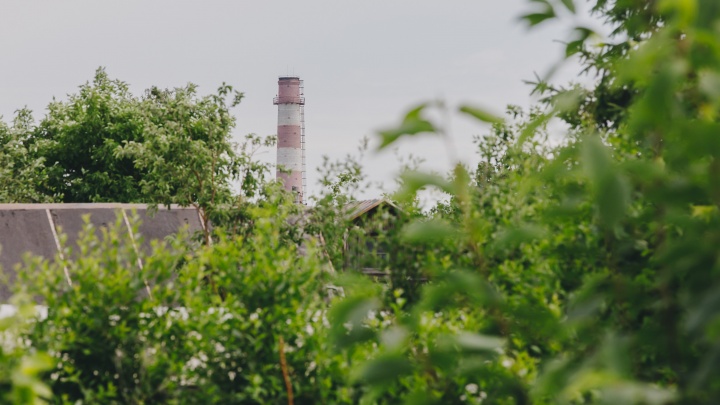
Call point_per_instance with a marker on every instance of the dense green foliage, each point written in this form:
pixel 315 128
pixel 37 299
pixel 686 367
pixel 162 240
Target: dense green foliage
pixel 105 144
pixel 22 171
pixel 576 270
pixel 597 258
pixel 153 331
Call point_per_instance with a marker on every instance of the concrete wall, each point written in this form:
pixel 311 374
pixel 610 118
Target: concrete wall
pixel 34 229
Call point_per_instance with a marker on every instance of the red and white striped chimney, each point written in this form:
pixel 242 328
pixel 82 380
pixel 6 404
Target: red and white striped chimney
pixel 291 137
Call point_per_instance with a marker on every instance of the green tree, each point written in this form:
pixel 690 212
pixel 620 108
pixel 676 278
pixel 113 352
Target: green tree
pixel 78 140
pixel 104 144
pixel 23 174
pixel 187 155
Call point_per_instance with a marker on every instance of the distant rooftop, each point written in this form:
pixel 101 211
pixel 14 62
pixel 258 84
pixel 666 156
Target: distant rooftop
pixel 357 208
pixel 34 228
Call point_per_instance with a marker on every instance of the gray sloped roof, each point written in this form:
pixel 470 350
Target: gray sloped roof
pixel 355 209
pixel 33 228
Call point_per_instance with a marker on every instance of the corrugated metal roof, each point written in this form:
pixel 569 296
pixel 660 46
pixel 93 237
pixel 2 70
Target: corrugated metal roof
pixel 34 227
pixel 358 208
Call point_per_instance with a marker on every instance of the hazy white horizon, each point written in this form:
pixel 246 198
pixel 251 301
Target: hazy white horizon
pixel 363 63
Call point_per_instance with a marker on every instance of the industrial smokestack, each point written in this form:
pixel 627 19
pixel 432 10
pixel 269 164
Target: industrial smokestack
pixel 291 136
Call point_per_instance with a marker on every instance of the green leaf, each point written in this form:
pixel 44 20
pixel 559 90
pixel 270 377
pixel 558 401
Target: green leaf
pixel 449 286
pixel 573 47
pixel 613 199
pixel 394 337
pixel 611 188
pixel 471 342
pixel 420 397
pixel 556 375
pixel 384 369
pixel 536 18
pixel 546 12
pixel 596 159
pixel 705 312
pixel 514 236
pixel 531 127
pixel 412 124
pixel 412 181
pixel 704 212
pixel 570 5
pixel 576 45
pixel 709 83
pixel 33 365
pixel 584 310
pixel 347 317
pixel 430 231
pixel 415 113
pixel 636 393
pixel 647 171
pixel 481 114
pixel 685 11
pixel 568 100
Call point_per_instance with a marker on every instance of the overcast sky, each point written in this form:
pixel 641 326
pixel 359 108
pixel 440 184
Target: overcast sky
pixel 363 62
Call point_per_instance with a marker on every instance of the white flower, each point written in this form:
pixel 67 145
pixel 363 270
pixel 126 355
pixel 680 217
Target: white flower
pixel 203 357
pixel 310 368
pixel 471 388
pixel 193 363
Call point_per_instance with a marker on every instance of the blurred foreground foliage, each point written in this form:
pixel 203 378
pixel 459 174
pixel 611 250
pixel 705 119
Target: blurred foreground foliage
pixel 576 270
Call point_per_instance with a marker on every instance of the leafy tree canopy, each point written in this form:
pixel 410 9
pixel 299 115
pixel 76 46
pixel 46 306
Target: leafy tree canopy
pixel 104 144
